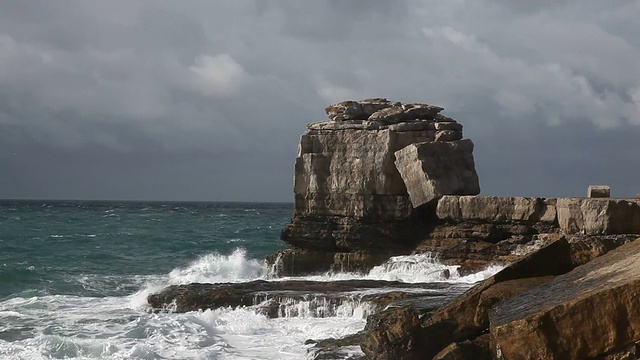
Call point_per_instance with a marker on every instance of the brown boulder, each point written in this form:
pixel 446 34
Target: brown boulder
pixel 476 349
pixel 393 334
pixel 503 291
pixel 585 313
pixel 456 321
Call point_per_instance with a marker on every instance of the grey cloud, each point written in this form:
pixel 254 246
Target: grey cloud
pixel 125 99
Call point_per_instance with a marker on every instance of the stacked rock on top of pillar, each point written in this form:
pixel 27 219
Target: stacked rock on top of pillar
pixel 349 193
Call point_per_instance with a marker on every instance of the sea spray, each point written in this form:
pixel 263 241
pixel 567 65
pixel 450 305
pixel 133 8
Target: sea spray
pixel 215 268
pixel 416 268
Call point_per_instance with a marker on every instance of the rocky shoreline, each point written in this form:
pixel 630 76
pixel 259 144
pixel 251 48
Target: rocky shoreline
pixel 382 179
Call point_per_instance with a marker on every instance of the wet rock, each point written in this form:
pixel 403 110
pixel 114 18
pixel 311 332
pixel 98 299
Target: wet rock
pixel 464 318
pixel 476 349
pixel 393 334
pixel 269 308
pixel 336 349
pixel 584 313
pixel 192 297
pixel 502 291
pixel 293 261
pixel 433 169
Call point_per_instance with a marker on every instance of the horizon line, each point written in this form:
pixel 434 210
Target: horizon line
pixel 146 200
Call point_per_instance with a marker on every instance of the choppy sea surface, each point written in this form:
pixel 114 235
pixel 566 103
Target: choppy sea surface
pixel 74 277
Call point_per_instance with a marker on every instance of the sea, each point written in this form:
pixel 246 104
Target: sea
pixel 75 275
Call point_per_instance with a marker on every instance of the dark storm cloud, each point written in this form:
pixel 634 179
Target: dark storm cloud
pixel 206 100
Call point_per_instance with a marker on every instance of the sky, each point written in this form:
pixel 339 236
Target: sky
pixel 206 100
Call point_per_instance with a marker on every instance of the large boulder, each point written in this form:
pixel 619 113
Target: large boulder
pixel 433 169
pixel 393 334
pixel 495 209
pixel 467 317
pixel 585 313
pixel 599 215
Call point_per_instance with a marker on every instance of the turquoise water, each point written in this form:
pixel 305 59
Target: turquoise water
pixel 105 248
pixel 75 276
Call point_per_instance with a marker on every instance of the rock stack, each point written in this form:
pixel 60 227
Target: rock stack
pixel 361 178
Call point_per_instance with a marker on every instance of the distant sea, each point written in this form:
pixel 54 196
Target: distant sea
pixel 74 277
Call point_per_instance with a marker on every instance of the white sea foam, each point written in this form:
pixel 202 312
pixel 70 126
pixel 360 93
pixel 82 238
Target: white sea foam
pixel 74 327
pixel 103 328
pixel 415 268
pixel 215 268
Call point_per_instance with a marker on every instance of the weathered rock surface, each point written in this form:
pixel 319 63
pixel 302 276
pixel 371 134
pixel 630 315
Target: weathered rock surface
pixel 393 334
pixel 405 112
pixel 193 297
pixel 599 191
pixel 381 110
pixel 585 248
pixel 599 215
pixel 477 231
pixel 335 349
pixel 357 110
pixel 627 352
pixel 349 195
pixel 587 312
pixel 494 209
pixel 292 261
pixel 467 317
pixel 433 169
pixel 477 349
